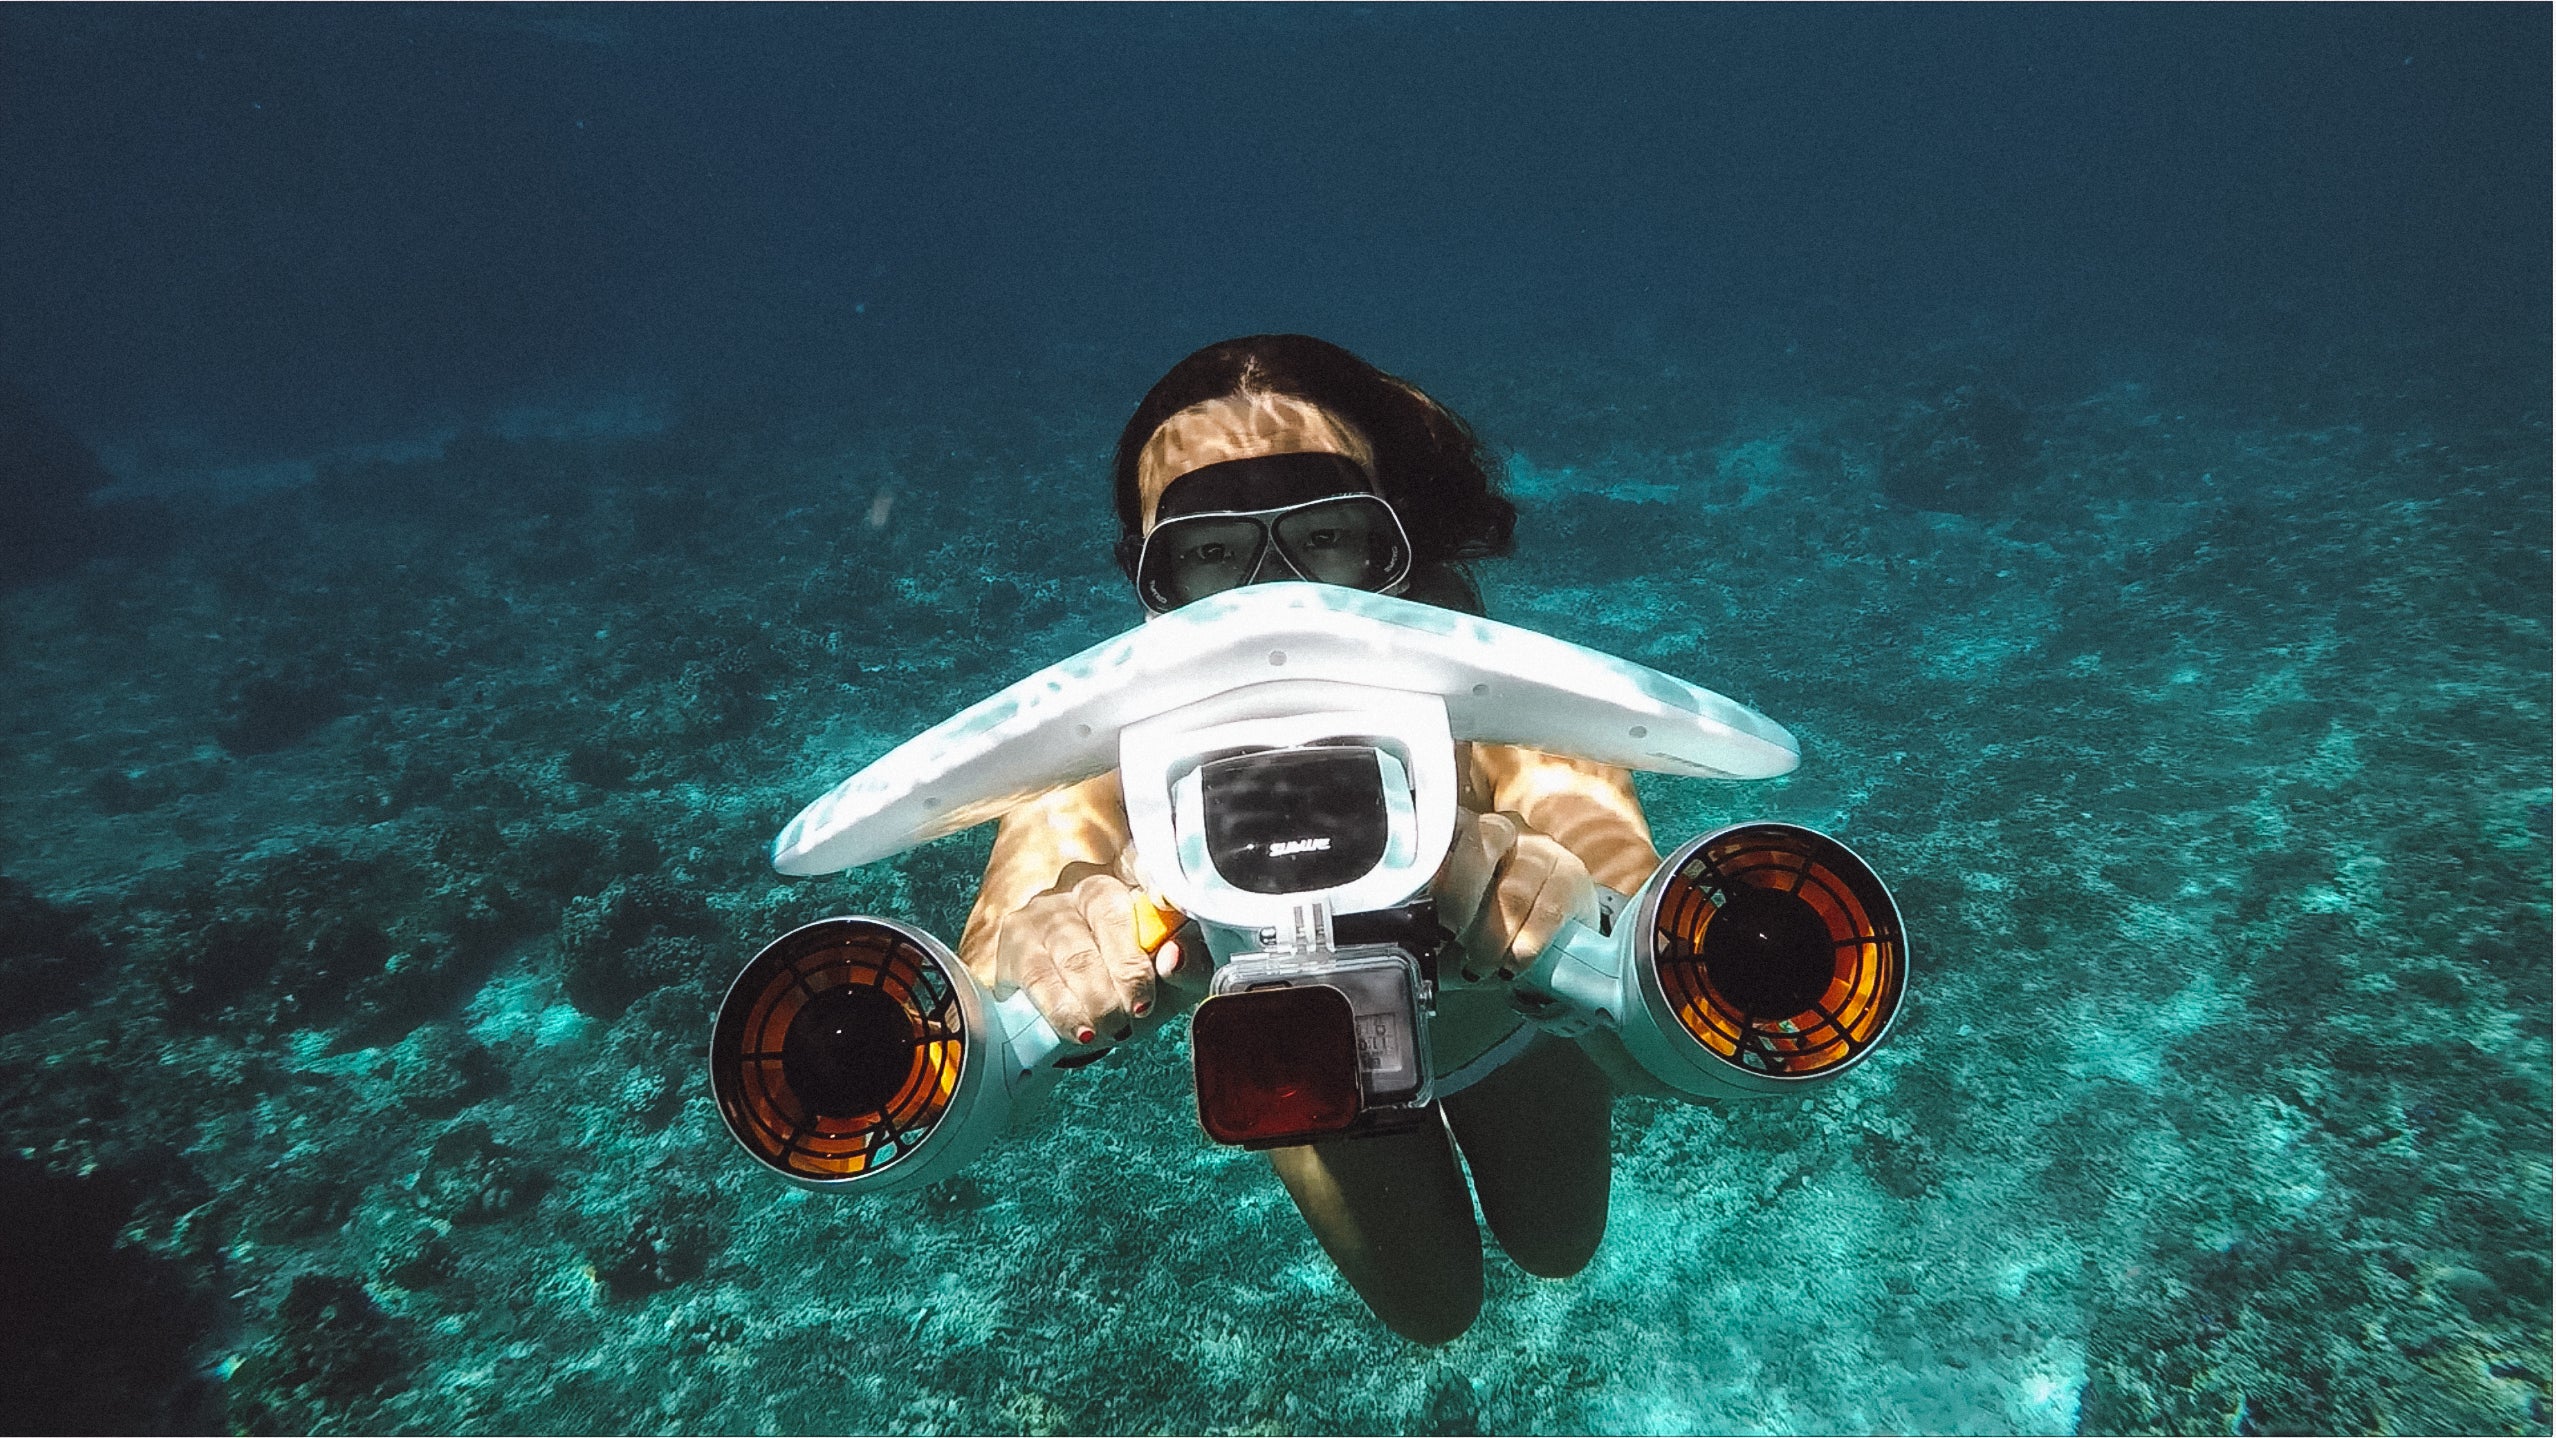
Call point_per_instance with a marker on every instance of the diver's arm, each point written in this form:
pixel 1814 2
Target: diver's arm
pixel 1591 809
pixel 1084 824
pixel 1537 831
pixel 1534 835
pixel 1588 807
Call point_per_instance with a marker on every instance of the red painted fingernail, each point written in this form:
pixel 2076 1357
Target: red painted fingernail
pixel 1141 1008
pixel 1084 1036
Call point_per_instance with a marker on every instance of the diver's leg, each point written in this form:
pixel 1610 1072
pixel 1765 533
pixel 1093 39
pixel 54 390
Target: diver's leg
pixel 1534 1133
pixel 1393 1213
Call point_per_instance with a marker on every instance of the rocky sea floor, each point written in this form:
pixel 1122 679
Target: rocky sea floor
pixel 376 844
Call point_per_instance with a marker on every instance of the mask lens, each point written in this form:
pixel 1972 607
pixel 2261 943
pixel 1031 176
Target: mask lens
pixel 1352 540
pixel 1189 559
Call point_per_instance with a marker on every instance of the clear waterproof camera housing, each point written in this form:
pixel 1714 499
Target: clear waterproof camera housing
pixel 1296 1045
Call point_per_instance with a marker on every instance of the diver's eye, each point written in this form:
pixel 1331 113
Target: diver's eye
pixel 1324 539
pixel 1210 554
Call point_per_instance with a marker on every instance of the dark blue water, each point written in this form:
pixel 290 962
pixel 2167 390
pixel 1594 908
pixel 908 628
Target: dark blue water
pixel 470 474
pixel 271 224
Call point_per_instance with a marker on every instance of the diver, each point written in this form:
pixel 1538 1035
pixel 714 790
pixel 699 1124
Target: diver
pixel 1419 938
pixel 1282 457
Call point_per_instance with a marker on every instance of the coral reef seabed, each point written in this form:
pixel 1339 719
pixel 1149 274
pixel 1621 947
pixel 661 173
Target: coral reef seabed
pixel 375 849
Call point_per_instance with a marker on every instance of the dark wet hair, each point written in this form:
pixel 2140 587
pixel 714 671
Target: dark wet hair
pixel 1429 465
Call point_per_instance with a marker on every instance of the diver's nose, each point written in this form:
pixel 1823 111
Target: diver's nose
pixel 1269 558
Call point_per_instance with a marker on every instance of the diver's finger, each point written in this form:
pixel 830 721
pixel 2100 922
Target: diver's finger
pixel 1471 945
pixel 1473 859
pixel 1109 909
pixel 1456 889
pixel 1192 964
pixel 1522 875
pixel 1058 1001
pixel 1529 869
pixel 1514 879
pixel 1078 959
pixel 1566 893
pixel 1019 945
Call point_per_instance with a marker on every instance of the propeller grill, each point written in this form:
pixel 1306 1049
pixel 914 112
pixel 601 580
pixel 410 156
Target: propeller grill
pixel 838 1049
pixel 1780 950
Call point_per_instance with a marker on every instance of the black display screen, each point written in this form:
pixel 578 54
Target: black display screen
pixel 1287 821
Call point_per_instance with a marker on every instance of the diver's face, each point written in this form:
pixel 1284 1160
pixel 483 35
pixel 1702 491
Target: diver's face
pixel 1242 426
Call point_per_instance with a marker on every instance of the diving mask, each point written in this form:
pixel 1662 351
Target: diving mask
pixel 1281 516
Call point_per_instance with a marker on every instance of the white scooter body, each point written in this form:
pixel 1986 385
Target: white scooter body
pixel 1275 666
pixel 1499 684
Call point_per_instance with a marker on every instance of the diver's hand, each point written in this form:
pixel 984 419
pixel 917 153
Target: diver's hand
pixel 1074 950
pixel 1505 890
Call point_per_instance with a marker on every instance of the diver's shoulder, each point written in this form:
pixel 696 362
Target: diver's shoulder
pixel 1447 586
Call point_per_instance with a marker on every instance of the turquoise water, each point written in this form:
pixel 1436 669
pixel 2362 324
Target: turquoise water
pixel 468 475
pixel 359 1030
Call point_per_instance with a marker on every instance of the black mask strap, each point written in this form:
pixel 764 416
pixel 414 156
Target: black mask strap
pixel 1264 482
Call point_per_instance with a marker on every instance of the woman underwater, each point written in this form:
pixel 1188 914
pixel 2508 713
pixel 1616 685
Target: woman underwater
pixel 1278 436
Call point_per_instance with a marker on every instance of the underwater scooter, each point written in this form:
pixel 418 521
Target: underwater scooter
pixel 1288 758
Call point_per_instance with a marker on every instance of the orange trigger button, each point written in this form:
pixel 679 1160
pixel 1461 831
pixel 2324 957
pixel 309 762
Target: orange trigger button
pixel 1155 923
